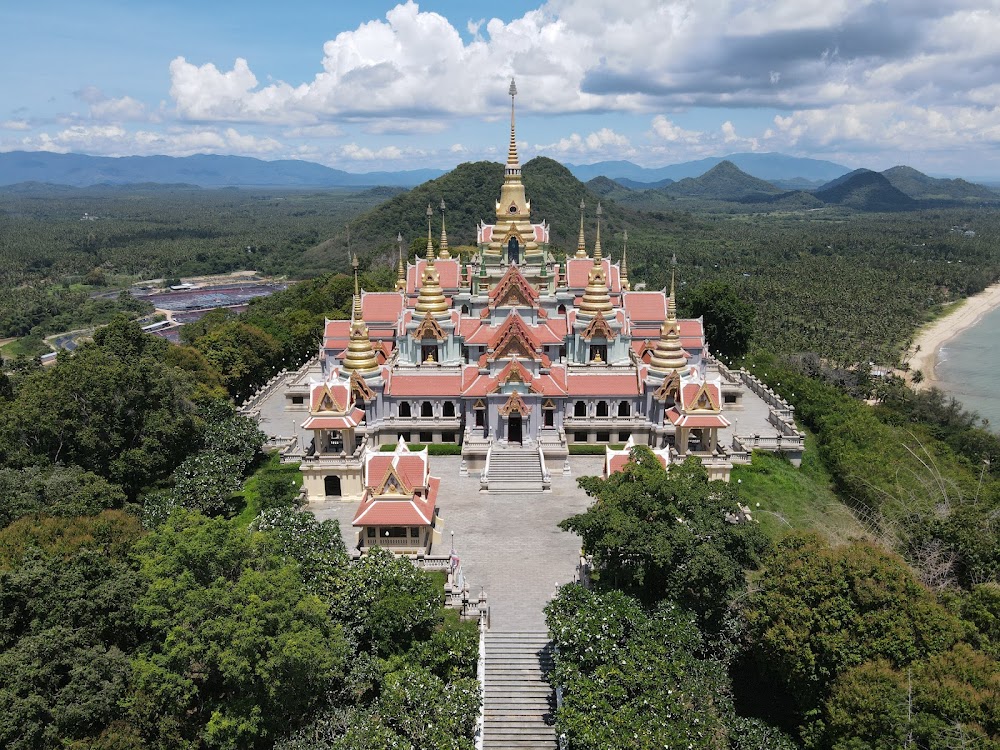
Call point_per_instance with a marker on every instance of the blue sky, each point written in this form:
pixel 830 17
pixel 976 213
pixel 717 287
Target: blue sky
pixel 378 85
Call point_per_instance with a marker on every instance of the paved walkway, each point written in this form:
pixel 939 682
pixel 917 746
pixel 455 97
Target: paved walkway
pixel 510 545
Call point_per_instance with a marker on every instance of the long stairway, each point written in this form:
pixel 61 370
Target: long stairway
pixel 514 468
pixel 518 701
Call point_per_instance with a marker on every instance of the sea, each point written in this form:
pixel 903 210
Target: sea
pixel 969 367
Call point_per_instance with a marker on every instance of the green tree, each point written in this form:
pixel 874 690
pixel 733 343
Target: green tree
pixel 729 321
pixel 664 535
pixel 58 491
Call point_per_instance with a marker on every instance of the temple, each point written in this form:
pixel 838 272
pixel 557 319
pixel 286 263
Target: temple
pixel 515 354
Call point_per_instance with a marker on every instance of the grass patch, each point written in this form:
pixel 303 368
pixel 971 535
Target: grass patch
pixel 27 346
pixel 796 499
pixel 273 484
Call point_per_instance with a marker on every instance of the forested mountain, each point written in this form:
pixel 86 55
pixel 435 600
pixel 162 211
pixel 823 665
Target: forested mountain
pixel 865 190
pixel 608 188
pixel 204 170
pixel 725 181
pixel 636 185
pixel 923 187
pixel 768 166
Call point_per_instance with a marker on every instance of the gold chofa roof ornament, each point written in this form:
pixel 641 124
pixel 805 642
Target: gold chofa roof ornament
pixel 360 355
pixel 431 298
pixel 669 354
pixel 443 251
pixel 595 297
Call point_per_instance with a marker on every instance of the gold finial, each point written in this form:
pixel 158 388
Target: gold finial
pixel 360 353
pixel 401 270
pixel 623 268
pixel 513 165
pixel 443 249
pixel 669 353
pixel 430 242
pixel 597 243
pixel 581 243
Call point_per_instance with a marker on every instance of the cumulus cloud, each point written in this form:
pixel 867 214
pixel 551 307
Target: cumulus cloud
pixel 15 125
pixel 604 143
pixel 115 140
pixel 354 152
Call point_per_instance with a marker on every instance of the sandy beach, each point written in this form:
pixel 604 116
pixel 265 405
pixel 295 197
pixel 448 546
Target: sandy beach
pixel 934 335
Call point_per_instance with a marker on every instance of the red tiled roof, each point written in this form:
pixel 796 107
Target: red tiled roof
pixel 645 307
pixel 374 511
pixel 604 384
pixel 577 272
pixel 448 274
pixel 696 420
pixel 381 307
pixel 425 384
pixel 335 423
pixel 340 392
pixel 618 461
pixel 411 468
pixel 689 391
pixel 513 277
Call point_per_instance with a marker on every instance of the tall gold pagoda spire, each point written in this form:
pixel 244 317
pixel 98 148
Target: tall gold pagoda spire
pixel 581 242
pixel 669 354
pixel 360 353
pixel 431 298
pixel 623 267
pixel 401 270
pixel 595 297
pixel 443 252
pixel 513 165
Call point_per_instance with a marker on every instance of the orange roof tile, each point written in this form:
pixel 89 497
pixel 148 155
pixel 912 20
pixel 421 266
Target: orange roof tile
pixel 604 384
pixel 425 384
pixel 381 307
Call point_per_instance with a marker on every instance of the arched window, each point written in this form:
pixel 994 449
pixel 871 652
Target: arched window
pixel 602 408
pixel 624 409
pixel 561 309
pixel 426 409
pixel 404 409
pixel 331 486
pixel 580 410
pixel 513 251
pixel 465 309
pixel 449 409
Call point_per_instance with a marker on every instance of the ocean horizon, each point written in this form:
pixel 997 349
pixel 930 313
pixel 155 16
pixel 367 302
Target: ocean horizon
pixel 968 366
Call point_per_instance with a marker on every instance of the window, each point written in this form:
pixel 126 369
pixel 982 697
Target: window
pixel 624 436
pixel 599 350
pixel 624 409
pixel 370 532
pixel 406 436
pixel 603 437
pixel 297 400
pixel 426 437
pixel 404 409
pixel 580 410
pixel 562 352
pixel 394 532
pixel 561 309
pixel 414 532
pixel 426 409
pixel 465 309
pixel 579 437
pixel 602 408
pixel 448 437
pixel 730 398
pixel 449 409
pixel 429 353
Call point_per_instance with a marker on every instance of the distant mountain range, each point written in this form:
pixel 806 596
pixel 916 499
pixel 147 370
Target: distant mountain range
pixel 770 166
pixel 897 189
pixel 203 170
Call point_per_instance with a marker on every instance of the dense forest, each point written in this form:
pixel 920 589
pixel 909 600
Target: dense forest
pixel 158 589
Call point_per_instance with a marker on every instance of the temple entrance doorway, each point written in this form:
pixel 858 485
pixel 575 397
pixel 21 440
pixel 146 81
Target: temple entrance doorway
pixel 514 429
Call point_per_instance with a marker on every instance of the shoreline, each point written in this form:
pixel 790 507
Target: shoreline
pixel 932 336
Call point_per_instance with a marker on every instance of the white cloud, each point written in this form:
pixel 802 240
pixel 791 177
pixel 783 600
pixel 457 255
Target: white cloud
pixel 666 130
pixel 15 125
pixel 604 143
pixel 119 110
pixel 115 140
pixel 354 152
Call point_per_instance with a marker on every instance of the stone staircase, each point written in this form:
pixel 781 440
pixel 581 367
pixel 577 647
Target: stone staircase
pixel 514 468
pixel 518 702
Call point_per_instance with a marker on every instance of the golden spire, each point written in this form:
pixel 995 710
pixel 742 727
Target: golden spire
pixel 360 353
pixel 513 165
pixel 669 354
pixel 401 270
pixel 623 268
pixel 431 298
pixel 597 242
pixel 443 249
pixel 430 242
pixel 581 243
pixel 595 296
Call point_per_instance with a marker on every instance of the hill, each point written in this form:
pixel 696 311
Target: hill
pixel 724 182
pixel 918 185
pixel 766 166
pixel 203 170
pixel 636 185
pixel 470 192
pixel 608 189
pixel 865 190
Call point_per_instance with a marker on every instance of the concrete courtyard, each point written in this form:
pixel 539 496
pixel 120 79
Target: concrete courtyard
pixel 509 544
